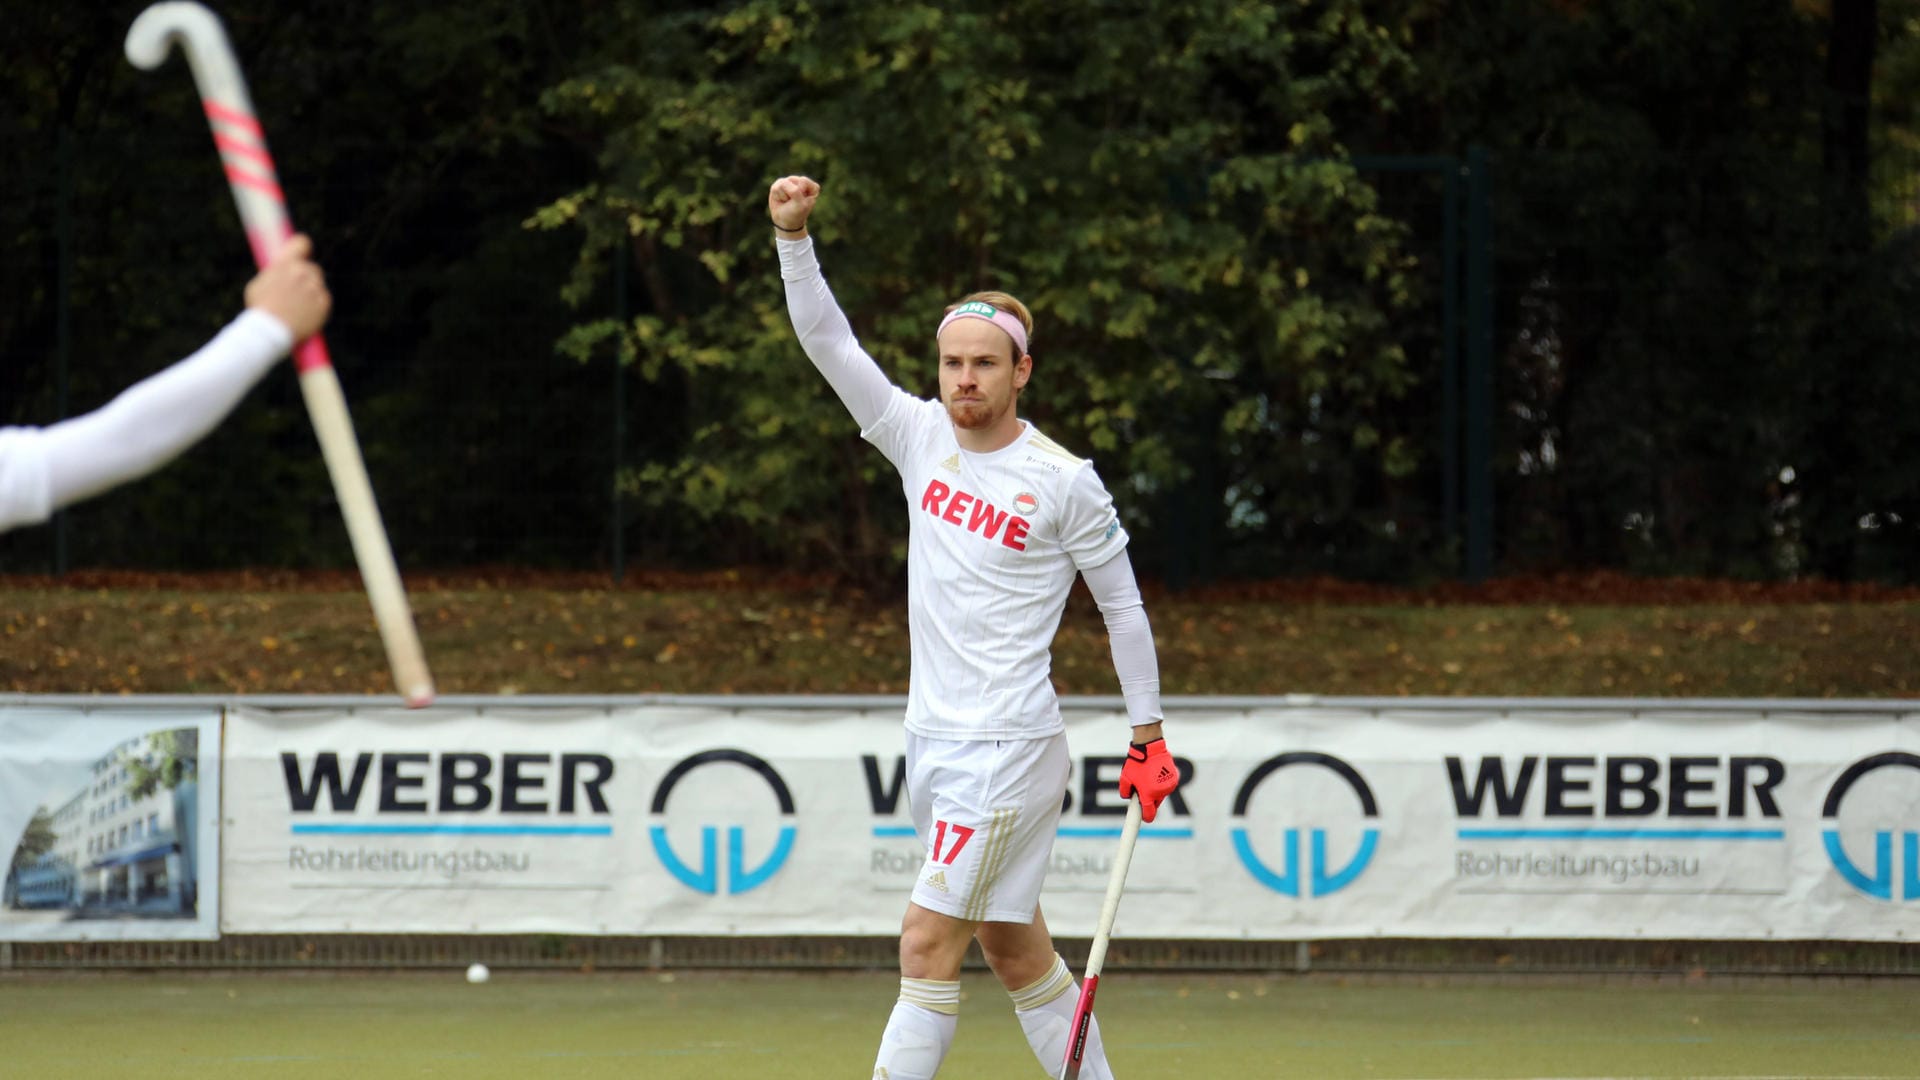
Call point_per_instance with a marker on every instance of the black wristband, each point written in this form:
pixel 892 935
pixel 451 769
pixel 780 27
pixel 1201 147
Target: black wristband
pixel 777 228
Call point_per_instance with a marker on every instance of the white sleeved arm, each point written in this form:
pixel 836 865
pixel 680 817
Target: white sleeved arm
pixel 1129 636
pixel 156 419
pixel 828 338
pixel 23 477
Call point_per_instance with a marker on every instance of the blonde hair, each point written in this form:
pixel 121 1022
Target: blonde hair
pixel 1006 302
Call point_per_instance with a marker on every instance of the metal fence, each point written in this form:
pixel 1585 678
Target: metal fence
pixel 1549 370
pixel 538 439
pixel 122 254
pixel 1381 956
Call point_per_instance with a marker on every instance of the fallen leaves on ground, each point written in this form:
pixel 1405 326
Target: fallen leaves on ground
pixel 736 632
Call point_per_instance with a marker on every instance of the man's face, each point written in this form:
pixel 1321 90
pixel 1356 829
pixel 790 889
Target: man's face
pixel 978 375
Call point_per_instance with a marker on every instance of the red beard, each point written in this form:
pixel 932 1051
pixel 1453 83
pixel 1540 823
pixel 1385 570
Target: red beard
pixel 969 415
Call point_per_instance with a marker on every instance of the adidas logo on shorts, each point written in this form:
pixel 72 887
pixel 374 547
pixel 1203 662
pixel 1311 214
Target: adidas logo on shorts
pixel 937 880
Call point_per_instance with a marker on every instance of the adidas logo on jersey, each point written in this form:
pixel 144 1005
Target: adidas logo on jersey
pixel 952 464
pixel 937 880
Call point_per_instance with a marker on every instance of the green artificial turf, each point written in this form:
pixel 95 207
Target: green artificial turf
pixel 814 1027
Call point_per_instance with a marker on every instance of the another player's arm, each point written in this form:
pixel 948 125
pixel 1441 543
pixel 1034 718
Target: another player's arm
pixel 822 327
pixel 155 420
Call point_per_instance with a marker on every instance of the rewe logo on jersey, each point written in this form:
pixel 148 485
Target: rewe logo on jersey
pixel 975 514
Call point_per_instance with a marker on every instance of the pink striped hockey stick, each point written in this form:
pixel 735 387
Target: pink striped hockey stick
pixel 263 212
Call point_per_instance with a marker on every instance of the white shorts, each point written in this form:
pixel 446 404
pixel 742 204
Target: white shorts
pixel 987 812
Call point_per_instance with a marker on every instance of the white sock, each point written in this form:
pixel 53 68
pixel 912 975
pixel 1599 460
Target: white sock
pixel 919 1031
pixel 1045 1010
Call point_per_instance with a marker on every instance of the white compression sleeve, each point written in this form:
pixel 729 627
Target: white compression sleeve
pixel 23 477
pixel 828 338
pixel 154 420
pixel 1129 636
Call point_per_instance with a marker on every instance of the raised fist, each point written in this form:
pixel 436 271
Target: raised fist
pixel 790 201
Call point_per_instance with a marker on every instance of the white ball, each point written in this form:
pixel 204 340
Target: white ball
pixel 478 973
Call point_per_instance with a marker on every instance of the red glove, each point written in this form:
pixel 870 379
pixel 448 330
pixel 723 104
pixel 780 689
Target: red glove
pixel 1151 772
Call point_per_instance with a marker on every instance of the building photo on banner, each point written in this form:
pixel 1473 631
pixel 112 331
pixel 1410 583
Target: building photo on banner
pixel 1523 819
pixel 110 816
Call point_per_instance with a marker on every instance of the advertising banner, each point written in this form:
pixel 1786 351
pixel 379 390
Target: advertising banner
pixel 109 822
pixel 1295 822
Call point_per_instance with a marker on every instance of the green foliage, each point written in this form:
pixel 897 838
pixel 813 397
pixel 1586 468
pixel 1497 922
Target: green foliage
pixel 176 759
pixel 557 310
pixel 1687 324
pixel 1212 281
pixel 38 839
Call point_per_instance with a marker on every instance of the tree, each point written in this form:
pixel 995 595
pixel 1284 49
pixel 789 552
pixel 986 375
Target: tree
pixel 176 759
pixel 38 839
pixel 1859 431
pixel 1164 186
pixel 1664 250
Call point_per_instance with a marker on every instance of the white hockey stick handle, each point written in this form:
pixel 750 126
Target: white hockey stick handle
pixel 327 407
pixel 263 213
pixel 1116 884
pixel 1082 1022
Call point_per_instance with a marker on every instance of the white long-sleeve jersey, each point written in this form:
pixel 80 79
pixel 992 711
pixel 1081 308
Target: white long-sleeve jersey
pixel 148 425
pixel 995 543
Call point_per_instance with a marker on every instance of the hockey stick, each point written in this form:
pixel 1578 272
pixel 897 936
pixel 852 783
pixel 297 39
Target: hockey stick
pixel 1097 953
pixel 263 212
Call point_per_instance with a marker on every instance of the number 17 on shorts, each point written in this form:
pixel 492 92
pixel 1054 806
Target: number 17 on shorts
pixel 965 866
pixel 944 852
pixel 949 841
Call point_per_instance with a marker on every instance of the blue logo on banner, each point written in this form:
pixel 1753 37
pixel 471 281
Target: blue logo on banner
pixel 1322 878
pixel 1879 883
pixel 706 878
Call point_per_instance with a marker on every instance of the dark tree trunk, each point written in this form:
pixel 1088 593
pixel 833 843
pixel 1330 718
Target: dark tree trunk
pixel 1834 457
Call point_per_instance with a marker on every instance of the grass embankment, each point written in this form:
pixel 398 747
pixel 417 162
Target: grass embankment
pixel 112 634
